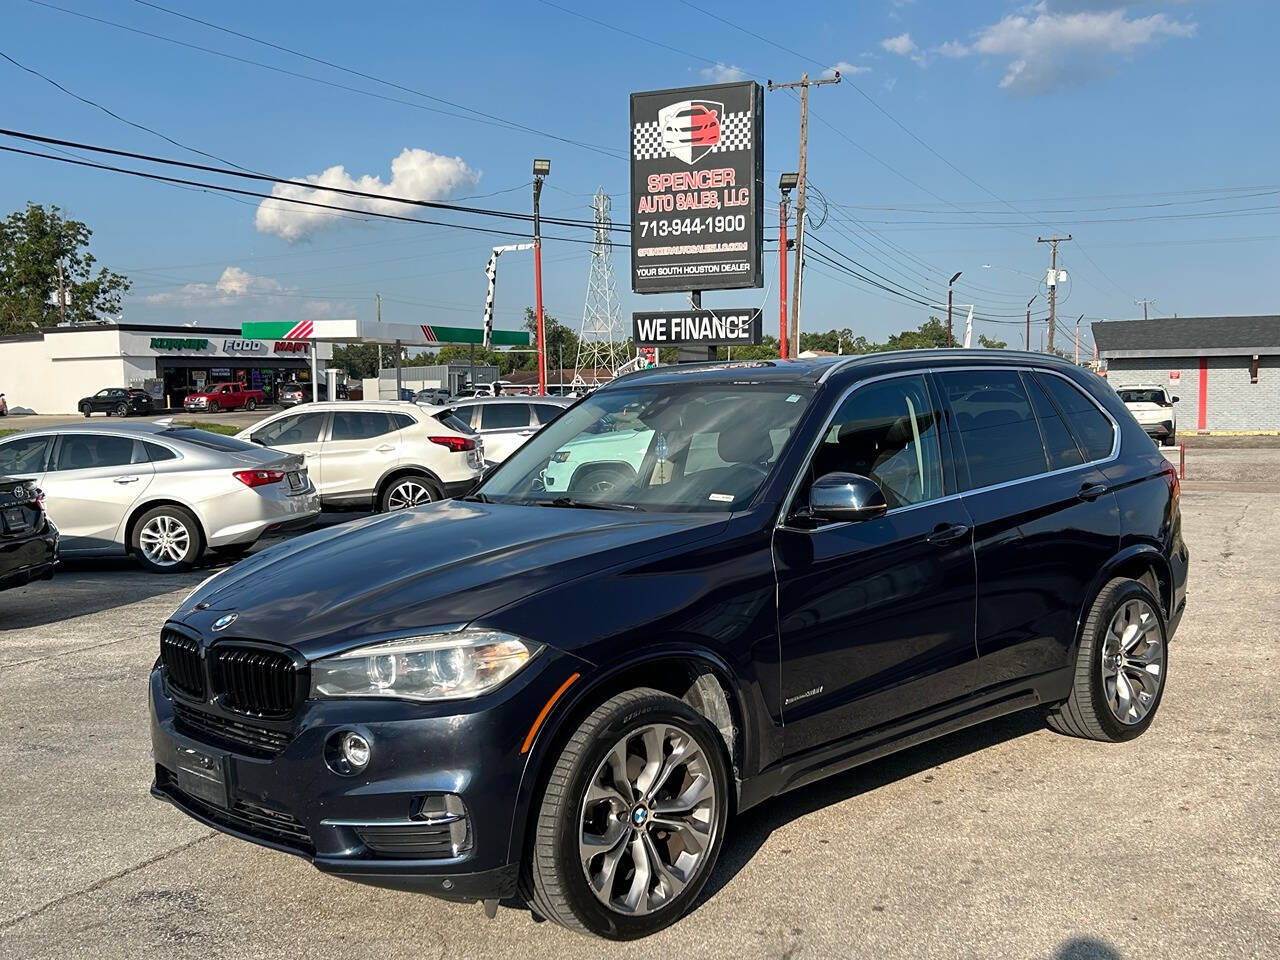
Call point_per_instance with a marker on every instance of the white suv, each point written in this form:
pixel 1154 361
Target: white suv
pixel 1152 406
pixel 387 455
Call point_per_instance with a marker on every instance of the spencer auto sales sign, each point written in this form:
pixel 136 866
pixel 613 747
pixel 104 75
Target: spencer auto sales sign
pixel 697 188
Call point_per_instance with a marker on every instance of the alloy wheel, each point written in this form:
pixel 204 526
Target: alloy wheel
pixel 1133 658
pixel 164 540
pixel 648 819
pixel 408 493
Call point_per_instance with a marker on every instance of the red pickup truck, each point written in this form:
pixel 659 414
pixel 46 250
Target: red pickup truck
pixel 223 396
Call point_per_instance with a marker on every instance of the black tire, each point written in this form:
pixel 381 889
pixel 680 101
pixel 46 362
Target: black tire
pixel 1170 441
pixel 86 410
pixel 392 491
pixel 554 879
pixel 193 542
pixel 600 480
pixel 250 404
pixel 1086 712
pixel 213 406
pixel 122 410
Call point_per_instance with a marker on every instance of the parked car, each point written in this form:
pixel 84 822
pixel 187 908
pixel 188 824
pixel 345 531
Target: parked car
pixel 159 492
pixel 28 541
pixel 527 694
pixel 432 396
pixel 224 396
pixel 294 393
pixel 385 455
pixel 120 401
pixel 1152 406
pixel 480 390
pixel 506 422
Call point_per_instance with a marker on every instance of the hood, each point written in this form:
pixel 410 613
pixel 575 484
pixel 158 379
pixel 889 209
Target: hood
pixel 444 564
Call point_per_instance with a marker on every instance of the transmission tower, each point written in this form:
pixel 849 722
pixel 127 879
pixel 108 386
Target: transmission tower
pixel 601 327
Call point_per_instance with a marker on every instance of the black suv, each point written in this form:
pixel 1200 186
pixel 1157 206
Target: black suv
pixel 796 567
pixel 121 401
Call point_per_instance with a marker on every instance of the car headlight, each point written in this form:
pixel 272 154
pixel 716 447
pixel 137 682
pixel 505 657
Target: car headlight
pixel 438 666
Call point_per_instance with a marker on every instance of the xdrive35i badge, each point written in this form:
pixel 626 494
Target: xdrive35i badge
pixel 225 621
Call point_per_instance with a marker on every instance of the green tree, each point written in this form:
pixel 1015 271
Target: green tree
pixel 360 360
pixel 991 343
pixel 562 343
pixel 931 333
pixel 39 246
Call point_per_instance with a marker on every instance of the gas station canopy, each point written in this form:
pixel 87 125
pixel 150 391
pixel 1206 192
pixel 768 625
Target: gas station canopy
pixel 368 331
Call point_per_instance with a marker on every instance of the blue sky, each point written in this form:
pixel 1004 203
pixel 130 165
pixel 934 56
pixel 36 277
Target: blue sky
pixel 1112 122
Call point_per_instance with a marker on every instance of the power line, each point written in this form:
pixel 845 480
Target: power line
pixel 471 115
pixel 302 184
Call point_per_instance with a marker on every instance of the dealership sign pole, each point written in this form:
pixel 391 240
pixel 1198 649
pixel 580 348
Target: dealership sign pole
pixel 697 202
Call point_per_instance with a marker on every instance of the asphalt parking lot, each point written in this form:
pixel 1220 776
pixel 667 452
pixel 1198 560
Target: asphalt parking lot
pixel 1003 841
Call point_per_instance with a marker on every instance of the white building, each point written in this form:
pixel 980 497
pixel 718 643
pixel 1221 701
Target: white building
pixel 48 371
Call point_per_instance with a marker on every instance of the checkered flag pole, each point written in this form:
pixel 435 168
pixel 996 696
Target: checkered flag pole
pixel 491 271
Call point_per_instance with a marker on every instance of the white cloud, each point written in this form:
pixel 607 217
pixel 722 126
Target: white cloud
pixel 415 173
pixel 723 73
pixel 1047 50
pixel 846 69
pixel 902 45
pixel 231 289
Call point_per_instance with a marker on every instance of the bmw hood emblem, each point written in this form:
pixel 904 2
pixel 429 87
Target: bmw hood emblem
pixel 224 621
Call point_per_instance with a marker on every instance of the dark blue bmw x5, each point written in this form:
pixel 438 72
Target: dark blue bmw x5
pixel 698 588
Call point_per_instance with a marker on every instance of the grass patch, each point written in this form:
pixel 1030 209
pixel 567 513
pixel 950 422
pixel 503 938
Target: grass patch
pixel 226 429
pixel 5 431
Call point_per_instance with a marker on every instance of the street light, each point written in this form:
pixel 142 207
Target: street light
pixel 1029 302
pixel 541 168
pixel 786 183
pixel 950 341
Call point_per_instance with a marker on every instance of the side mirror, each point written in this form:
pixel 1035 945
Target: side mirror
pixel 1174 399
pixel 848 497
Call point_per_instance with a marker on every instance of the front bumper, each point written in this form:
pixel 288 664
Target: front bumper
pixel 294 802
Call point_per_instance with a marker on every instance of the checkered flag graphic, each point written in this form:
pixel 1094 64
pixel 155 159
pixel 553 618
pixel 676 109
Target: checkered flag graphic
pixel 735 134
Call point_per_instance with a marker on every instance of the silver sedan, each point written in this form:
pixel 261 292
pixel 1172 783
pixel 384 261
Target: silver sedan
pixel 160 492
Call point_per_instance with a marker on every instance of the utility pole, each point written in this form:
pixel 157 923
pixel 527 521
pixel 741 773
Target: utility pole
pixel 1053 281
pixel 62 296
pixel 1029 302
pixel 377 299
pixel 804 83
pixel 1078 319
pixel 1144 303
pixel 786 183
pixel 541 168
pixel 950 340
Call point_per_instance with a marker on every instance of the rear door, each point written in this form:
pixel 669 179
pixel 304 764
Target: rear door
pixel 1044 522
pixel 504 426
pixel 297 433
pixel 91 485
pixel 876 618
pixel 361 447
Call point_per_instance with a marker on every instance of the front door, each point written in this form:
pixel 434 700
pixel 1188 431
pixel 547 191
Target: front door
pixel 876 618
pixel 296 433
pixel 89 488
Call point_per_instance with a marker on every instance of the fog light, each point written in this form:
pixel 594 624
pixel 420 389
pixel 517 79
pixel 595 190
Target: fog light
pixel 355 750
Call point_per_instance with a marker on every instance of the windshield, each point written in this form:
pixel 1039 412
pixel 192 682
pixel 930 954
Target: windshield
pixel 656 447
pixel 1142 396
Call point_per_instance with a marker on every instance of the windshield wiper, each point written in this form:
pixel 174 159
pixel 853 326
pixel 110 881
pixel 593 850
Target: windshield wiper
pixel 476 498
pixel 588 504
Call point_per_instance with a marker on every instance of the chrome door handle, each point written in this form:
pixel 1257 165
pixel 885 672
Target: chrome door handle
pixel 527 433
pixel 1091 491
pixel 125 479
pixel 385 448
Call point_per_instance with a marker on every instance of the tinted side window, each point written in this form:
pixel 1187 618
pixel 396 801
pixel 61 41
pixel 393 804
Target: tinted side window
pixel 24 455
pixel 996 426
pixel 359 425
pixel 887 431
pixel 400 421
pixel 547 411
pixel 1091 427
pixel 298 428
pixel 157 453
pixel 1059 444
pixel 83 451
pixel 504 416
